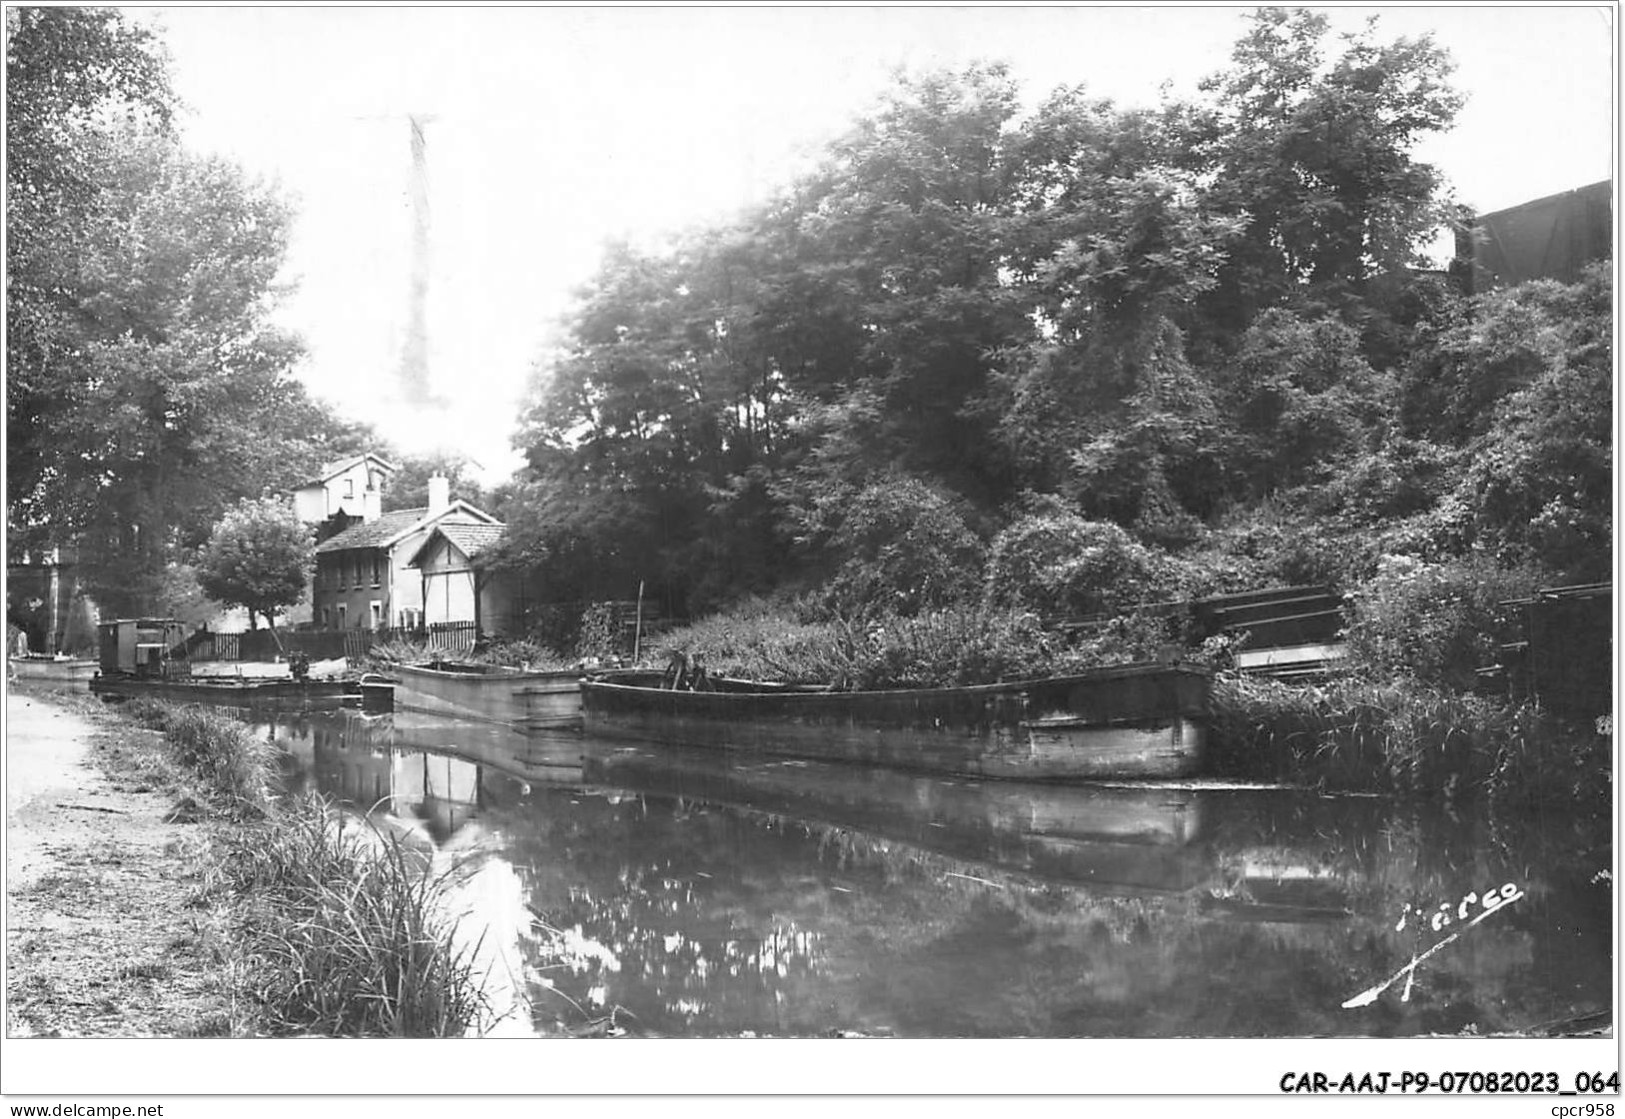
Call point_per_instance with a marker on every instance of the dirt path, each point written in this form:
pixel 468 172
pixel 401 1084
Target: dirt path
pixel 101 938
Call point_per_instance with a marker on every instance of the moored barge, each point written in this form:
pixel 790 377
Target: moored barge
pixel 1136 721
pixel 527 700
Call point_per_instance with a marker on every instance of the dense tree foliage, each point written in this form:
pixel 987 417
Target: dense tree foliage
pixel 147 388
pixel 1118 352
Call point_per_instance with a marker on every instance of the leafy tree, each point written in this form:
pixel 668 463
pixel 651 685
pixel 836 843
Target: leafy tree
pixel 1110 245
pixel 71 75
pixel 1164 316
pixel 1302 400
pixel 260 557
pixel 147 388
pixel 1316 153
pixel 1540 480
pixel 899 239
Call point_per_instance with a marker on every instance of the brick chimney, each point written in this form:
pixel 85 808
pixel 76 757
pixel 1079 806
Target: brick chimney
pixel 439 493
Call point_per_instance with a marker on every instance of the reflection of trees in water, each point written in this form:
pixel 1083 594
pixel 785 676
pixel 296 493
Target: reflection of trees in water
pixel 727 920
pixel 709 920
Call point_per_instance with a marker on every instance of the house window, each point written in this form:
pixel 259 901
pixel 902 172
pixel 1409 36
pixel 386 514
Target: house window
pixel 327 618
pixel 349 487
pixel 377 614
pixel 359 560
pixel 342 611
pixel 375 569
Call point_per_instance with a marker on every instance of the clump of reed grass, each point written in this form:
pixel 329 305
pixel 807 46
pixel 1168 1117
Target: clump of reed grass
pixel 340 931
pixel 230 766
pixel 1401 735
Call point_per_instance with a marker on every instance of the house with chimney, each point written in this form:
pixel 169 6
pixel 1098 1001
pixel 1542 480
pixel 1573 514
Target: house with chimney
pixel 363 578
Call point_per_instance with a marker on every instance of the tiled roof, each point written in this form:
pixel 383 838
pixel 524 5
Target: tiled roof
pixel 383 532
pixel 374 534
pixel 471 540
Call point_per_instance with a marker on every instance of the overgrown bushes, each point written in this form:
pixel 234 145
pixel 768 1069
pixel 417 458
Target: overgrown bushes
pixel 1438 623
pixel 1402 736
pixel 1057 563
pixel 948 647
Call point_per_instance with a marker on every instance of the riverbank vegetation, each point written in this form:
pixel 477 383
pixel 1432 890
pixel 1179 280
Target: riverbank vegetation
pixel 1004 367
pixel 1002 370
pixel 1103 354
pixel 329 926
pixel 1399 735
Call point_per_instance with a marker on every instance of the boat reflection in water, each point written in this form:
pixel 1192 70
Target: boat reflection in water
pixel 702 893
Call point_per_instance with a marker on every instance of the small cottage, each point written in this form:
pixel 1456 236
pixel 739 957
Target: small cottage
pixel 456 588
pixel 363 575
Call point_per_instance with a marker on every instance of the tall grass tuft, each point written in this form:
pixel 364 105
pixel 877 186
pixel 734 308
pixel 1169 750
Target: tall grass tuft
pixel 1402 735
pixel 340 932
pixel 230 765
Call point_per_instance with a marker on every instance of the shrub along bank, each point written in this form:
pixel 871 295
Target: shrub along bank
pixel 331 927
pixel 1405 736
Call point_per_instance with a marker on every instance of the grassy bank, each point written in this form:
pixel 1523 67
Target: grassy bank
pixel 1407 737
pixel 330 927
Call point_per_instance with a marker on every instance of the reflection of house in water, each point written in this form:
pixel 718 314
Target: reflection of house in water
pixel 356 762
pixel 442 791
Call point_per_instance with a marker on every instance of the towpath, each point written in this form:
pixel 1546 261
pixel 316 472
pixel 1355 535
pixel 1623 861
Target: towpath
pixel 101 938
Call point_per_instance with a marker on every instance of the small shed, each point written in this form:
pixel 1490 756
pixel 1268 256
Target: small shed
pixel 456 587
pixel 140 646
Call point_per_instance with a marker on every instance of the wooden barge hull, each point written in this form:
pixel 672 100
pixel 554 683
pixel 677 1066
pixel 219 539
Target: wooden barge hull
pixel 512 697
pixel 311 695
pixel 1127 722
pixel 55 673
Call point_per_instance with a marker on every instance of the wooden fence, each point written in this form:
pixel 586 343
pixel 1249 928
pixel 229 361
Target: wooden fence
pixel 319 644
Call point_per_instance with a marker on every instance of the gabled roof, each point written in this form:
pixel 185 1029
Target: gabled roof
pixel 389 529
pixel 339 466
pixel 468 539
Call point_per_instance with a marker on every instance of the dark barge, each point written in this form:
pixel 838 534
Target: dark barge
pixel 1135 721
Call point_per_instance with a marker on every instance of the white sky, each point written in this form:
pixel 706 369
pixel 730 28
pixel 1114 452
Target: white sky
pixel 558 128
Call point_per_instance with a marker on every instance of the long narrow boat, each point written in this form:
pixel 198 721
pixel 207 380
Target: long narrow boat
pixel 491 693
pixel 229 692
pixel 1125 722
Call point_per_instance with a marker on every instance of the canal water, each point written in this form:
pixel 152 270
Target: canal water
pixel 660 893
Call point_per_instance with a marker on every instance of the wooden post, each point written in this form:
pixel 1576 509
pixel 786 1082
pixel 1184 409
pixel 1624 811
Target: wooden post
pixel 637 633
